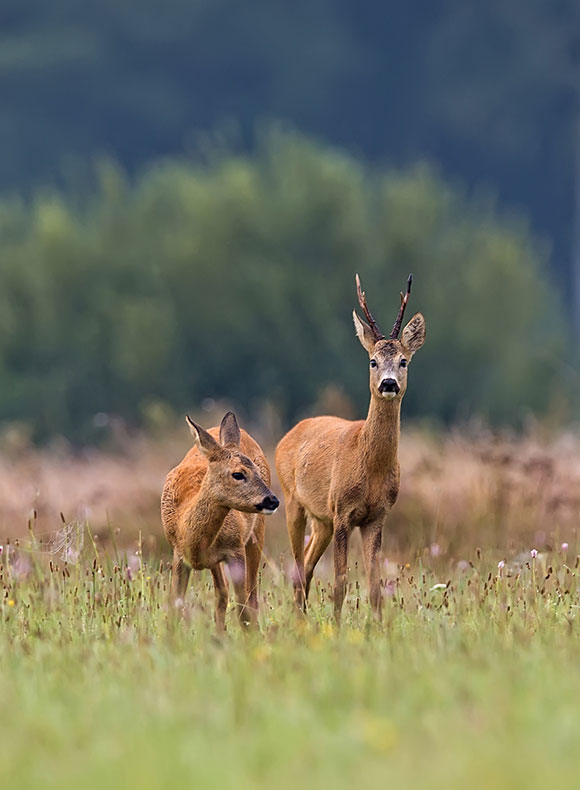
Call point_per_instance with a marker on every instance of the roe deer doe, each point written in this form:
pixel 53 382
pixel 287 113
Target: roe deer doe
pixel 339 474
pixel 213 507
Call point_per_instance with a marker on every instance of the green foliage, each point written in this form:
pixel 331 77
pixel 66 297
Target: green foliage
pixel 234 276
pixel 489 89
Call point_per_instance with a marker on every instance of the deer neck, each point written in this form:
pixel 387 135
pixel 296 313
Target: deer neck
pixel 380 435
pixel 204 521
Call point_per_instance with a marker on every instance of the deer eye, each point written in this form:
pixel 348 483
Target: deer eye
pixel 238 476
pixel 403 363
pixel 373 363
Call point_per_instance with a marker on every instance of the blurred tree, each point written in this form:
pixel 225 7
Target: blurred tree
pixel 504 82
pixel 489 89
pixel 234 277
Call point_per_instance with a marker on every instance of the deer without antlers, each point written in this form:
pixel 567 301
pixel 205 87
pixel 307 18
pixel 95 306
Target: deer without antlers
pixel 338 474
pixel 213 507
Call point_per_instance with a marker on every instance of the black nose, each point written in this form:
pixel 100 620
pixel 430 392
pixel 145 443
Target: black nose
pixel 389 385
pixel 269 502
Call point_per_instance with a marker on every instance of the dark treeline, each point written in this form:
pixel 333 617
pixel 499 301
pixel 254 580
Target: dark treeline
pixel 488 88
pixel 165 280
pixel 233 276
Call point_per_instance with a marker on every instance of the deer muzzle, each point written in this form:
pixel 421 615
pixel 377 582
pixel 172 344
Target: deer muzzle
pixel 389 387
pixel 268 505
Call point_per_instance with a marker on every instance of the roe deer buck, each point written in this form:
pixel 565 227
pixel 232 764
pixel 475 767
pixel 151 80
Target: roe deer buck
pixel 212 507
pixel 340 474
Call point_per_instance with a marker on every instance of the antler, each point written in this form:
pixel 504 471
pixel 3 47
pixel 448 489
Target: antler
pixel 377 334
pixel 404 299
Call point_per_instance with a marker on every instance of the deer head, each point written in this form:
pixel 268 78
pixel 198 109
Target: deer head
pixel 233 478
pixel 389 357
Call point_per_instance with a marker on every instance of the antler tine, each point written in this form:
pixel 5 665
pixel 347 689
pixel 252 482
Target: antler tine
pixel 378 335
pixel 404 299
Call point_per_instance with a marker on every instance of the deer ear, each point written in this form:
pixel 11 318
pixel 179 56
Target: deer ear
pixel 229 430
pixel 363 332
pixel 413 335
pixel 204 440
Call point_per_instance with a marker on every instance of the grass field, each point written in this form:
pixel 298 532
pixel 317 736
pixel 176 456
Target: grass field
pixel 472 680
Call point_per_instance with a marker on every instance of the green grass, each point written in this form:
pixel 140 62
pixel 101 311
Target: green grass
pixel 477 685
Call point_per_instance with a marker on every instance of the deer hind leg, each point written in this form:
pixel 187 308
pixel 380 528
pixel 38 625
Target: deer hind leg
pixel 317 545
pixel 296 524
pixel 254 548
pixel 221 595
pixel 341 535
pixel 179 577
pixel 372 536
pixel 237 569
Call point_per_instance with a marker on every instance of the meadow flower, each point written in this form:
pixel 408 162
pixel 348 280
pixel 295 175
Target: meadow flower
pixel 72 556
pixel 378 733
pixel 355 637
pixel 133 563
pixel 262 653
pixel 237 572
pixel 435 549
pixel 500 565
pixel 534 553
pixel 564 547
pixel 21 568
pixel 327 630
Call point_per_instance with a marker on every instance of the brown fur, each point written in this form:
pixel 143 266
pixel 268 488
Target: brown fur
pixel 339 474
pixel 209 518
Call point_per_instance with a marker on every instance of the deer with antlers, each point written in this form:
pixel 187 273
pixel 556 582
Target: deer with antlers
pixel 213 507
pixel 338 474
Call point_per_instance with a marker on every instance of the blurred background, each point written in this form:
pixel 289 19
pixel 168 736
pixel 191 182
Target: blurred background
pixel 188 188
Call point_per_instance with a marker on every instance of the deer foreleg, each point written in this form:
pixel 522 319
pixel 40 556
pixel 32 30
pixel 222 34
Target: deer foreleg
pixel 237 569
pixel 371 541
pixel 341 532
pixel 253 558
pixel 296 523
pixel 321 537
pixel 179 577
pixel 221 595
